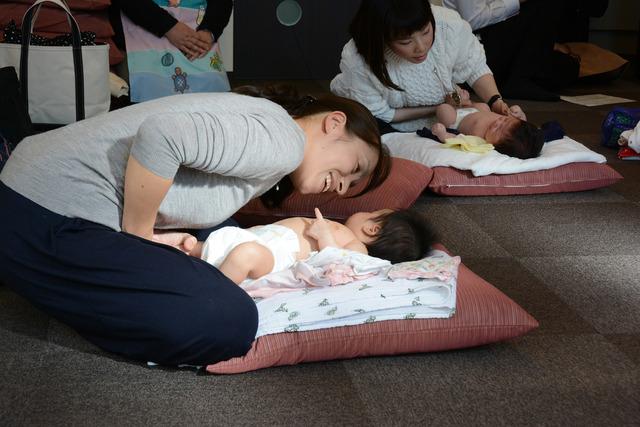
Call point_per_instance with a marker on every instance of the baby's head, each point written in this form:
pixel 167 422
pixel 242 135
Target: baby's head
pixel 396 236
pixel 515 137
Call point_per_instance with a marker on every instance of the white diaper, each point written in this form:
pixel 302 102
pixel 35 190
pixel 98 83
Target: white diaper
pixel 281 241
pixel 461 113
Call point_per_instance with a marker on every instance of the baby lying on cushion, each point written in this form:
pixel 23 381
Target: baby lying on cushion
pixel 241 254
pixel 482 130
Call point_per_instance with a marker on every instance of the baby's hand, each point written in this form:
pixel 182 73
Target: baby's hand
pixel 464 94
pixel 320 230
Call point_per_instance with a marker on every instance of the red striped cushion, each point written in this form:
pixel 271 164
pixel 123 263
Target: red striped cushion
pixel 570 177
pixel 483 315
pixel 406 182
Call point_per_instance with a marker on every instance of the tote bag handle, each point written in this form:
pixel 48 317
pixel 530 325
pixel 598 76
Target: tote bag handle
pixel 28 21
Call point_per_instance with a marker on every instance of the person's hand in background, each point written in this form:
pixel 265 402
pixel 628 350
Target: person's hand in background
pixel 187 40
pixel 207 38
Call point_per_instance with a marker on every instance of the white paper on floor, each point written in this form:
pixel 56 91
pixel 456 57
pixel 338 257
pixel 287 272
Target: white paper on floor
pixel 595 99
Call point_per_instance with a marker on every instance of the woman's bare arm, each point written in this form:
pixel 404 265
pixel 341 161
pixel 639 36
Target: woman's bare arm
pixel 143 194
pixel 411 113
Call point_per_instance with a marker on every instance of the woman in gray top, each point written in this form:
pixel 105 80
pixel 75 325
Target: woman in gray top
pixel 83 207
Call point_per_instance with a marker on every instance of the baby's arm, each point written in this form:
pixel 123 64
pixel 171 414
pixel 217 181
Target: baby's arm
pixel 322 232
pixel 326 235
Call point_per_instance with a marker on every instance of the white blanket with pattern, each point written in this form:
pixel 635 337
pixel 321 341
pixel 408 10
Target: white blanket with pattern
pixel 419 289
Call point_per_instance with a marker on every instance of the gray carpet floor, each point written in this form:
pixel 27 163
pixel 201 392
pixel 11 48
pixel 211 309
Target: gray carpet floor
pixel 571 260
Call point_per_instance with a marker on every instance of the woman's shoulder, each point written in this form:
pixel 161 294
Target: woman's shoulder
pixel 207 102
pixel 445 14
pixel 229 101
pixel 448 19
pixel 451 30
pixel 350 56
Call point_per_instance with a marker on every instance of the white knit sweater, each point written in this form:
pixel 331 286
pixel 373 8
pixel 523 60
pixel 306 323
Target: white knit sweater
pixel 455 57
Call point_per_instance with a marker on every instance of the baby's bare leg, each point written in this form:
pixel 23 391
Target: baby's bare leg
pixel 446 114
pixel 247 260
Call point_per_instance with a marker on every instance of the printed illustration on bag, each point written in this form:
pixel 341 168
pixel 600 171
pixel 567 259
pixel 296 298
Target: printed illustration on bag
pixel 157 68
pixel 167 59
pixel 216 62
pixel 180 80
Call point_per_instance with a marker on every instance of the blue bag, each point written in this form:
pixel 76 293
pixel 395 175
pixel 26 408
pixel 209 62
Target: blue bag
pixel 617 121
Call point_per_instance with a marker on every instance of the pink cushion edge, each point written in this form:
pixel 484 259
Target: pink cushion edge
pixel 566 178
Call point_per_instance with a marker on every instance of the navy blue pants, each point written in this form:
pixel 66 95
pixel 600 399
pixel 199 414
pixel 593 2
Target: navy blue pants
pixel 127 295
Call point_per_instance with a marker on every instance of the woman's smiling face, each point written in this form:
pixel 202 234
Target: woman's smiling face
pixel 334 165
pixel 415 46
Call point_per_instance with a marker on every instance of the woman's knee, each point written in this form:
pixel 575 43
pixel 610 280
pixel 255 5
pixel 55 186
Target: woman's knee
pixel 208 330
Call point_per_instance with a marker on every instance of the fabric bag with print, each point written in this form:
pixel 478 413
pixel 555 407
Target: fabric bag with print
pixel 60 84
pixel 157 68
pixel 617 121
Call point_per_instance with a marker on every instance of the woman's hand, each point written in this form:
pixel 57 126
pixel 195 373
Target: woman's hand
pixel 184 242
pixel 207 38
pixel 500 107
pixel 187 40
pixel 321 231
pixel 517 112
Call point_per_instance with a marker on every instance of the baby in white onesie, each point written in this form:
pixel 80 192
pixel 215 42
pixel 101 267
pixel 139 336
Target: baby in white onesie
pixel 242 254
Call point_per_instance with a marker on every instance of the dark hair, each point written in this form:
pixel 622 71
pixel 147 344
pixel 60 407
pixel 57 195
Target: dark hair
pixel 360 123
pixel 379 22
pixel 405 235
pixel 524 141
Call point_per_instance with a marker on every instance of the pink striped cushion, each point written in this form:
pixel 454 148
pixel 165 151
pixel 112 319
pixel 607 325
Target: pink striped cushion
pixel 570 177
pixel 406 182
pixel 483 315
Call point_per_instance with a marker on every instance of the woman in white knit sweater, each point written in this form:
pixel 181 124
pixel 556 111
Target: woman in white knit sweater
pixel 406 57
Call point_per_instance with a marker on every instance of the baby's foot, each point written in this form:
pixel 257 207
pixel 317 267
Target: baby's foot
pixel 439 130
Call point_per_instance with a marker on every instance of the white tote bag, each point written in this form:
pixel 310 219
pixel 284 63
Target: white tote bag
pixel 60 84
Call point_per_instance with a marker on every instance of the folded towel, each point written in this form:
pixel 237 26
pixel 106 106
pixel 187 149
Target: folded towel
pixel 431 153
pixel 469 144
